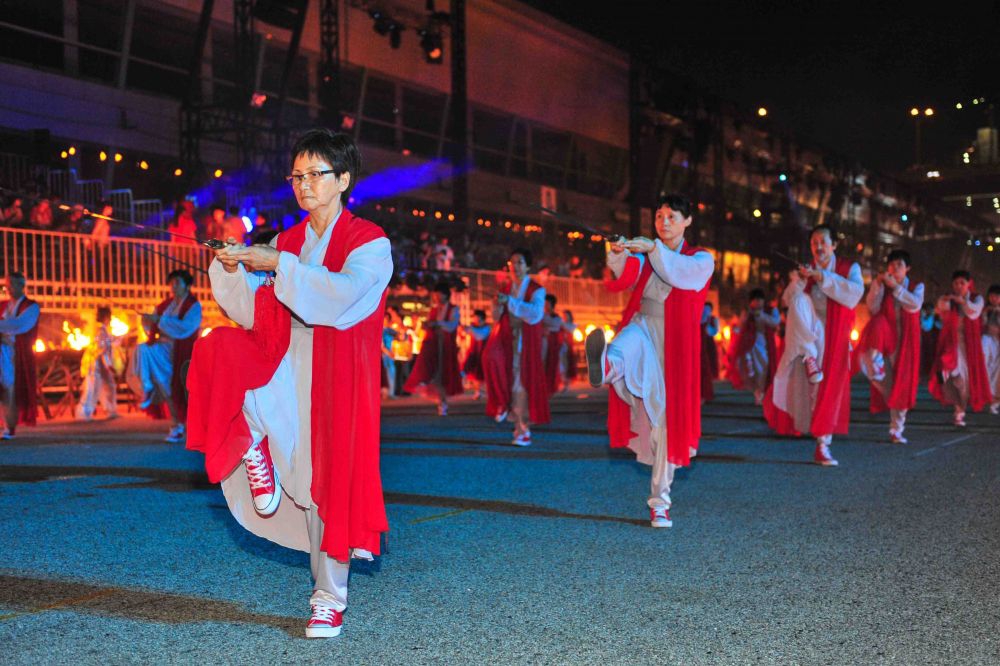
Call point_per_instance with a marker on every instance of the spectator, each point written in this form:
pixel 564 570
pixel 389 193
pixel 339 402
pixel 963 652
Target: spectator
pixel 575 266
pixel 233 226
pixel 13 215
pixel 41 215
pixel 101 229
pixel 443 255
pixel 184 225
pixel 215 223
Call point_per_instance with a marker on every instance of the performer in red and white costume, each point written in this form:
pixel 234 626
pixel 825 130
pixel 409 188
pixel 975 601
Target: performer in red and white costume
pixel 18 378
pixel 291 425
pixel 655 369
pixel 553 342
pixel 156 370
pixel 958 376
pixel 991 344
pixel 811 390
pixel 100 383
pixel 888 350
pixel 512 360
pixel 436 368
pixel 752 357
pixel 472 367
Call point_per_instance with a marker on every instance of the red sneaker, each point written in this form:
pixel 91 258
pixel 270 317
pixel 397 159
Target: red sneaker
pixel 324 623
pixel 660 517
pixel 813 373
pixel 823 457
pixel 263 479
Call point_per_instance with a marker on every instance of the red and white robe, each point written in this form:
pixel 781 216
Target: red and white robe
pixel 959 356
pixel 155 364
pixel 437 363
pixel 18 331
pixel 819 323
pixel 752 359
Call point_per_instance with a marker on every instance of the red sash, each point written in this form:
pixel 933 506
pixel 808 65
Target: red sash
pixel 181 354
pixel 709 362
pixel 498 362
pixel 25 372
pixel 681 361
pixel 946 358
pixel 740 346
pixel 439 349
pixel 880 334
pixel 555 341
pixel 473 364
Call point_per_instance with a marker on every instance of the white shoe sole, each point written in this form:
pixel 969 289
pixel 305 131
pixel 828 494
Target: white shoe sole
pixel 272 504
pixel 500 418
pixel 323 632
pixel 521 442
pixel 661 523
pixel 826 463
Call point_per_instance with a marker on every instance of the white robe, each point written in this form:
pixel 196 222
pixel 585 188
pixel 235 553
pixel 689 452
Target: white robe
pixel 805 329
pixel 99 384
pixel 11 325
pixel 281 409
pixel 971 309
pixel 753 368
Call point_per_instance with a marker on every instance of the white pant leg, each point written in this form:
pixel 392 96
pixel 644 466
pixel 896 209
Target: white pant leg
pixel 107 393
pixel 152 367
pixel 88 397
pixel 897 421
pixel 804 329
pixel 329 575
pixel 636 359
pixel 662 478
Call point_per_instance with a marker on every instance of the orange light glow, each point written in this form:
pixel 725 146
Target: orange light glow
pixel 727 333
pixel 103 156
pixel 118 327
pixel 855 335
pixel 143 165
pixel 178 172
pixel 64 154
pixel 39 346
pixel 72 150
pixel 609 333
pixel 205 331
pixel 578 335
pixel 218 173
pixel 75 338
pixel 119 157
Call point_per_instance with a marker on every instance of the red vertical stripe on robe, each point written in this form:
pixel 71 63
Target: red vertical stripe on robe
pixel 439 349
pixel 946 358
pixel 25 371
pixel 881 335
pixel 179 355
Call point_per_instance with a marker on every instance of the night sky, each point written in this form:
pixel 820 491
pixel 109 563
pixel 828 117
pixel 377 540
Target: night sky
pixel 840 76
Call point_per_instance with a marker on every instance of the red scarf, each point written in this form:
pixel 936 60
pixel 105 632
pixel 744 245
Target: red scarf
pixel 180 355
pixel 226 364
pixel 25 373
pixel 681 363
pixel 946 358
pixel 880 334
pixel 439 348
pixel 498 363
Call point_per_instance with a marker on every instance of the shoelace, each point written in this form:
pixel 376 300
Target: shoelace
pixel 323 614
pixel 257 469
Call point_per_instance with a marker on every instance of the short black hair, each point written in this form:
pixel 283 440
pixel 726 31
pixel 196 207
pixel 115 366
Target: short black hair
pixel 17 275
pixel 551 298
pixel 757 293
pixel 824 228
pixel 479 313
pixel 994 289
pixel 184 275
pixel 335 148
pixel 902 255
pixel 675 201
pixel 443 288
pixel 103 312
pixel 961 274
pixel 524 252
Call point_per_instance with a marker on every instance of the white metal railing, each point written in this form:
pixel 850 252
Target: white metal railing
pixel 71 273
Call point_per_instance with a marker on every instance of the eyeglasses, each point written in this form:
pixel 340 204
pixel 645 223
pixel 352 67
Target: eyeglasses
pixel 309 177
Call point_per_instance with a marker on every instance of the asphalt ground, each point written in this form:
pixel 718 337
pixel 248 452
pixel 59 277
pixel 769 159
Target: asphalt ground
pixel 114 548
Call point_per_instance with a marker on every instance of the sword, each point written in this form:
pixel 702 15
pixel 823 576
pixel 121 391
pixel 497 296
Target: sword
pixel 574 222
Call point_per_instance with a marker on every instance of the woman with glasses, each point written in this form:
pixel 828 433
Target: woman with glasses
pixel 291 425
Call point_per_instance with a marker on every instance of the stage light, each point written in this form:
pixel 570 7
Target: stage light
pixel 761 112
pixel 914 111
pixel 103 156
pixel 218 173
pixel 64 154
pixel 257 99
pixel 904 218
pixel 782 177
pixel 143 165
pixel 959 106
pixel 451 218
pixel 178 172
pixel 978 242
pixel 757 212
pixel 928 112
pixel 433 46
pixel 437 215
pixel 247 224
pixel 72 150
pixel 119 157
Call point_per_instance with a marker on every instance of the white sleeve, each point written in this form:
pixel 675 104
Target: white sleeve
pixel 846 291
pixel 323 298
pixel 531 312
pixel 234 292
pixel 681 271
pixel 973 307
pixel 451 325
pixel 873 299
pixel 911 301
pixel 23 322
pixel 178 328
